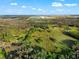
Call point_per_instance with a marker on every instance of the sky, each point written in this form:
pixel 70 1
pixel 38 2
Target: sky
pixel 39 7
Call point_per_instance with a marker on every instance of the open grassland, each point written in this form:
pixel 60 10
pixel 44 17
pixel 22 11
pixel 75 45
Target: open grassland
pixel 39 37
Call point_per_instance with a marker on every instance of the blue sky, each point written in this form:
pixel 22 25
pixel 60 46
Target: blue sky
pixel 39 7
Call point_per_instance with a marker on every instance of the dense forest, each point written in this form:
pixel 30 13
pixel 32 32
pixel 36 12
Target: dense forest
pixel 39 37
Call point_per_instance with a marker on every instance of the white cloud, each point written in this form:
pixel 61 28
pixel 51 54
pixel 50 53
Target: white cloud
pixel 60 10
pixel 39 9
pixel 71 5
pixel 14 3
pixel 44 11
pixel 33 8
pixel 57 4
pixel 23 6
